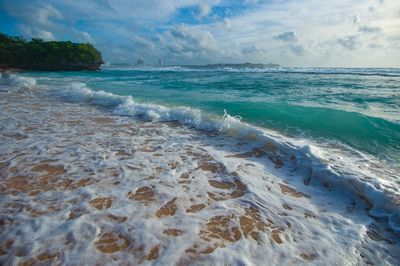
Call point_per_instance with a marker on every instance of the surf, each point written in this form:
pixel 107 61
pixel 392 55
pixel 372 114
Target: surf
pixel 315 161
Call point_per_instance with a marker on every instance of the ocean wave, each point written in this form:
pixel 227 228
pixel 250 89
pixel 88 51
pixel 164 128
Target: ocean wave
pixel 150 68
pixel 384 72
pixel 380 194
pixel 10 81
pixel 326 71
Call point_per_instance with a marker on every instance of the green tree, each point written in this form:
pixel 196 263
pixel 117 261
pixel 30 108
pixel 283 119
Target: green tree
pixel 15 52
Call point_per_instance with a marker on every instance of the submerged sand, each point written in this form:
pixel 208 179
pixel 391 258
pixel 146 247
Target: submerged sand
pixel 80 185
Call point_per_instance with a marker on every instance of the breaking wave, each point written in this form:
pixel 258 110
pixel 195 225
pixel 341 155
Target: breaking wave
pixel 316 162
pixel 385 72
pixel 9 81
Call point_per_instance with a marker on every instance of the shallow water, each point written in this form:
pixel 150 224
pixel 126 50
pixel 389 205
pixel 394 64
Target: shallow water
pixel 359 108
pixel 98 177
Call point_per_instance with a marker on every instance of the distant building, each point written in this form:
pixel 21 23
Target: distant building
pixel 160 63
pixel 140 62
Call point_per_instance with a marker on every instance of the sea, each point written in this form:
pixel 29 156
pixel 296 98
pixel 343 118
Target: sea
pixel 202 165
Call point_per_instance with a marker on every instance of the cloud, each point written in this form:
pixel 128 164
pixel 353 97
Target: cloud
pixel 38 19
pixel 44 21
pixel 356 19
pixel 227 23
pixel 251 2
pixel 288 36
pixel 367 30
pixel 291 32
pixel 204 10
pixel 349 42
pixel 36 33
pixel 291 38
pixel 297 49
pixel 83 36
pixel 142 12
pixel 189 42
pixel 105 4
pixel 250 49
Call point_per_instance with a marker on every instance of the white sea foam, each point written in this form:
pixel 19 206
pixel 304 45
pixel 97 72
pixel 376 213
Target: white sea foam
pixel 309 224
pixel 149 68
pixel 385 72
pixel 343 173
pixel 10 81
pixel 80 93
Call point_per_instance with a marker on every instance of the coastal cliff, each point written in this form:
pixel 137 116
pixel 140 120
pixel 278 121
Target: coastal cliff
pixel 17 53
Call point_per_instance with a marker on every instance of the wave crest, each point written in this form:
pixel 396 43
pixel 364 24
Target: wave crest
pixel 11 81
pixel 384 72
pixel 380 194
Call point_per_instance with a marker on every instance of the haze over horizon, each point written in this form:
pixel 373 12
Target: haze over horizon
pixel 344 33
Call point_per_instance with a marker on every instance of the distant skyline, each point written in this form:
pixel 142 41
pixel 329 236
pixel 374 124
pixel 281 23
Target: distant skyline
pixel 302 33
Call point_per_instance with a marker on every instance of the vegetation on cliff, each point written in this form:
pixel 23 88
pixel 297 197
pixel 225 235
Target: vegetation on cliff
pixel 37 54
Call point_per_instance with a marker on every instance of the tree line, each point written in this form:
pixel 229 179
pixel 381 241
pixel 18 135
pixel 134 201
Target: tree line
pixel 36 54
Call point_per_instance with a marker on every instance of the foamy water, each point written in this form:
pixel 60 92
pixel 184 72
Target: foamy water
pixel 97 178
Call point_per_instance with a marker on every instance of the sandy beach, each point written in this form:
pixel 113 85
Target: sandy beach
pixel 81 184
pixel 174 133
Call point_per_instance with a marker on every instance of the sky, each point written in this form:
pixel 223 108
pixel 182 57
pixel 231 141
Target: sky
pixel 298 33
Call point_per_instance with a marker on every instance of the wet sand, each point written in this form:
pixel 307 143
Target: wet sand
pixel 81 185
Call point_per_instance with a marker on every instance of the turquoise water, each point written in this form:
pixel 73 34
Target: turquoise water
pixel 356 107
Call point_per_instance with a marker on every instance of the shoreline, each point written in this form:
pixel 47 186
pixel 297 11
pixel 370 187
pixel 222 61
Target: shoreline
pixel 10 69
pixel 123 189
